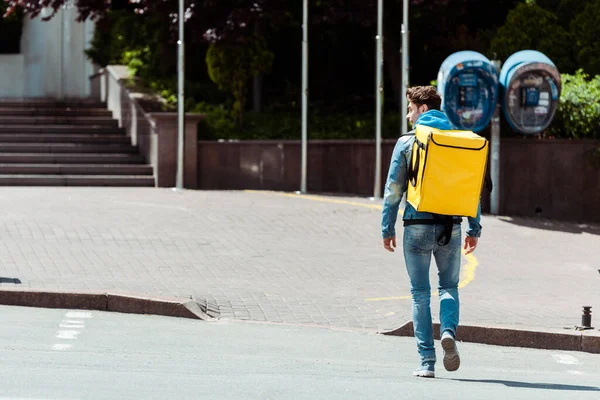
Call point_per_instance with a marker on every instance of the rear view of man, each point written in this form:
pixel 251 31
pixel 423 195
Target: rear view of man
pixel 425 235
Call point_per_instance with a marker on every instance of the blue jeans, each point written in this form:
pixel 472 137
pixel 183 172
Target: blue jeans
pixel 420 242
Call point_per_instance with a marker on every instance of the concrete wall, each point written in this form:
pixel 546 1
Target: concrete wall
pixel 155 133
pixel 555 179
pixel 11 78
pixel 53 62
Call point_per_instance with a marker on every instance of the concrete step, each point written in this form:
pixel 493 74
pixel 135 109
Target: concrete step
pixel 59 129
pixel 70 158
pixel 76 180
pixel 51 103
pixel 66 148
pixel 75 169
pixel 50 112
pixel 45 142
pixel 58 120
pixel 63 138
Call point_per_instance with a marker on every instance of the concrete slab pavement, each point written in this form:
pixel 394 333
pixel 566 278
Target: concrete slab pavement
pixel 277 257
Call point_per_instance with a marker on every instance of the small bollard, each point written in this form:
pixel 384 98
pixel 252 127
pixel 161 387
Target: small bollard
pixel 586 318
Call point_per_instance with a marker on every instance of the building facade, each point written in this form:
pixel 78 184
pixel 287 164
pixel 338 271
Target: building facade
pixel 52 62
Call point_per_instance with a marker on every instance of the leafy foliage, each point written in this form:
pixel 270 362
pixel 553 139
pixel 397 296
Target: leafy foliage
pixel 530 27
pixel 143 36
pixel 578 114
pixel 586 31
pixel 231 65
pixel 219 125
pixel 565 10
pixel 141 42
pixel 87 8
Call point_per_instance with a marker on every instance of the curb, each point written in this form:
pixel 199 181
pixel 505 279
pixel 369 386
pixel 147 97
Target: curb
pixel 585 341
pixel 110 302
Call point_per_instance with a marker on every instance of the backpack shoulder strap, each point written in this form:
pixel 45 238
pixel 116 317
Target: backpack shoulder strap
pixel 409 133
pixel 487 181
pixel 413 165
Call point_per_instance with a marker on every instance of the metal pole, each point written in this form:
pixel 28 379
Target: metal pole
pixel 378 99
pixel 405 67
pixel 180 97
pixel 495 163
pixel 495 155
pixel 304 95
pixel 61 58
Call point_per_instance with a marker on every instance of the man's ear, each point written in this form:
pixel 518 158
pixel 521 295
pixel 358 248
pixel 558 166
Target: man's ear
pixel 423 108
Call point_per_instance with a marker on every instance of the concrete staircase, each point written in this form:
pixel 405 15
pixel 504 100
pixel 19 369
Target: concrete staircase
pixel 71 143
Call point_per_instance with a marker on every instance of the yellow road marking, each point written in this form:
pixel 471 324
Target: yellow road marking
pixel 319 198
pixel 468 269
pixel 468 276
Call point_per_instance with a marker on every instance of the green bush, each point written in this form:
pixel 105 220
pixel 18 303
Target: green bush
pixel 144 43
pixel 232 65
pixel 578 113
pixel 220 124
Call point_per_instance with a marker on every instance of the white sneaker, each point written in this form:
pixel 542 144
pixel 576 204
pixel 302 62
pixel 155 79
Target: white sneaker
pixel 451 356
pixel 425 370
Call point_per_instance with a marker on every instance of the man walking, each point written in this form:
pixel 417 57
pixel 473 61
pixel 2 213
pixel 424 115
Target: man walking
pixel 424 236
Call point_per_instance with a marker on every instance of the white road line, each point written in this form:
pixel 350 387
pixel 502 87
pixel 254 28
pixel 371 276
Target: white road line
pixel 61 346
pixel 78 314
pixel 67 334
pixel 72 321
pixel 575 372
pixel 71 326
pixel 565 359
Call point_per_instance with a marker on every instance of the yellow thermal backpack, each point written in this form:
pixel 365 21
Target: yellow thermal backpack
pixel 447 171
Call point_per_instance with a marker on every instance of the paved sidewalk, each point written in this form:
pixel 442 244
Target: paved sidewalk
pixel 283 258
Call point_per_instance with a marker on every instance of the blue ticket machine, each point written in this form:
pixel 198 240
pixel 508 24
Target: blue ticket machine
pixel 531 89
pixel 468 85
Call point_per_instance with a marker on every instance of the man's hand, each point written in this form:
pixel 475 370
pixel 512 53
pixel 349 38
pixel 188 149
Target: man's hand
pixel 389 244
pixel 470 244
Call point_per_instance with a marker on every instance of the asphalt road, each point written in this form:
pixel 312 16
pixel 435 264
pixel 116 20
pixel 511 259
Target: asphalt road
pixel 69 354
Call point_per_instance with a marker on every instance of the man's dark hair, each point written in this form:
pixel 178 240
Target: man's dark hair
pixel 427 95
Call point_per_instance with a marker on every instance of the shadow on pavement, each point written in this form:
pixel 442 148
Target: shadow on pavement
pixel 552 225
pixel 528 385
pixel 16 281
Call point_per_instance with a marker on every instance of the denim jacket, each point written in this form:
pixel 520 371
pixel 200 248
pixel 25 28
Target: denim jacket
pixel 397 181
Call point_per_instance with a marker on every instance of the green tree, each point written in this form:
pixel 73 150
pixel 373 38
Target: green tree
pixel 139 41
pixel 232 64
pixel 585 28
pixel 530 27
pixel 565 10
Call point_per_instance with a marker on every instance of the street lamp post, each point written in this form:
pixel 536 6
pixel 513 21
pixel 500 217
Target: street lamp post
pixel 378 99
pixel 404 85
pixel 180 97
pixel 304 96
